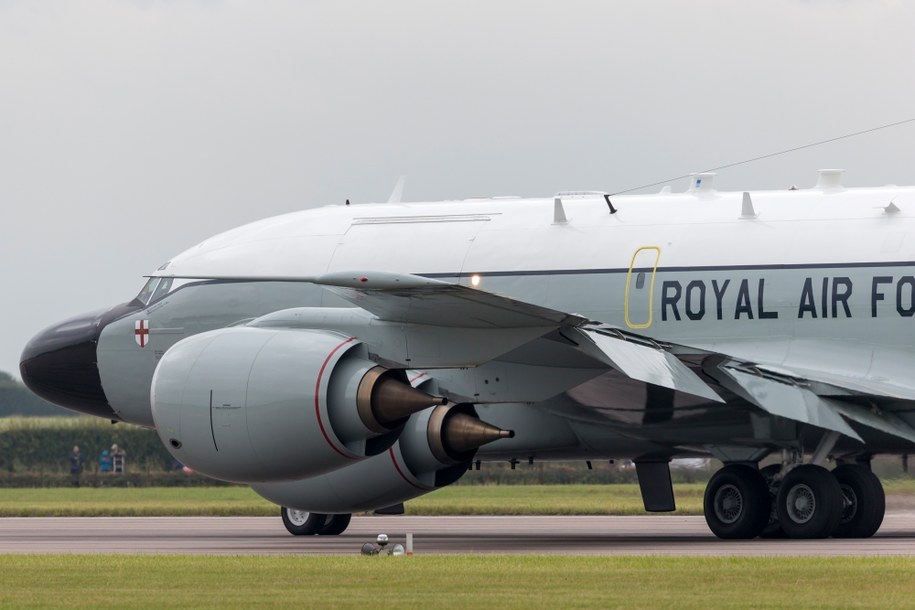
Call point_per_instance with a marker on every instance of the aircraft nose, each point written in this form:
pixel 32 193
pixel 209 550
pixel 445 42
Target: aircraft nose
pixel 60 365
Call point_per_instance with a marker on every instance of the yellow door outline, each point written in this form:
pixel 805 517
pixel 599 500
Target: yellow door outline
pixel 654 268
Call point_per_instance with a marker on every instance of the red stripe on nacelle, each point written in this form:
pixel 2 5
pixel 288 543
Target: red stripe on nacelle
pixel 400 472
pixel 318 400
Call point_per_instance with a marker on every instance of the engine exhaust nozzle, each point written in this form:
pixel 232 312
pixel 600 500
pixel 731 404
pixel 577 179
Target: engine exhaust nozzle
pixel 454 436
pixel 384 402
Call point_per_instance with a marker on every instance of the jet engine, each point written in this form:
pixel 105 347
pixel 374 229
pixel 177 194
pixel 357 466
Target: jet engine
pixel 434 450
pixel 252 404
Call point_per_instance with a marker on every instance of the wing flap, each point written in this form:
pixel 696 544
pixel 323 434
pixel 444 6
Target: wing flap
pixel 646 364
pixel 864 386
pixel 885 422
pixel 788 401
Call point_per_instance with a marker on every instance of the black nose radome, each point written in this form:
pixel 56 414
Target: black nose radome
pixel 60 363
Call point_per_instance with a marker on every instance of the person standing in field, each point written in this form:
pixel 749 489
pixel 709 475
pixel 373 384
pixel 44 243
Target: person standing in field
pixel 76 466
pixel 104 462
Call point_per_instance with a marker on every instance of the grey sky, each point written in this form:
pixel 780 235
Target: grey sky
pixel 130 131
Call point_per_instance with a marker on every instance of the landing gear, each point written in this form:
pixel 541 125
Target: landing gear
pixel 336 524
pixel 864 502
pixel 809 502
pixel 736 502
pixel 773 528
pixel 304 523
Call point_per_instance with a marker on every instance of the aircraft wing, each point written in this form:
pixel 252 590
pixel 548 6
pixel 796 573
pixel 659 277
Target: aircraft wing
pixel 812 397
pixel 418 300
pixel 443 312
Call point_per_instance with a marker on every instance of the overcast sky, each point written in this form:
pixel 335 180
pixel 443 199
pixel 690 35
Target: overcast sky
pixel 130 131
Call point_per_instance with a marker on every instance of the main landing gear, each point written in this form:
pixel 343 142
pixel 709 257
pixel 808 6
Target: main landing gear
pixel 304 523
pixel 809 501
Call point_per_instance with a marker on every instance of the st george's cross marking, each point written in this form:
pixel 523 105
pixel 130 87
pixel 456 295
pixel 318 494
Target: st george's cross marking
pixel 141 332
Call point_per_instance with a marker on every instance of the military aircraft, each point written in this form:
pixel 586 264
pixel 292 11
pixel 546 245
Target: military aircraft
pixel 352 357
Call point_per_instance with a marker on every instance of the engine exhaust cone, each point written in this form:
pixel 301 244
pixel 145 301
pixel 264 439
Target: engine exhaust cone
pixel 463 433
pixel 393 400
pixel 384 401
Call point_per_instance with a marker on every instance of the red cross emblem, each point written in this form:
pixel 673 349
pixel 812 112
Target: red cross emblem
pixel 141 332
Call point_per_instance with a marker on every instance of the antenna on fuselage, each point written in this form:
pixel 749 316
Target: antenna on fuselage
pixel 609 205
pixel 747 211
pixel 559 212
pixel 559 215
pixel 397 193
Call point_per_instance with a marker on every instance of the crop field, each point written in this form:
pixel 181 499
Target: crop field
pixel 620 499
pixel 470 581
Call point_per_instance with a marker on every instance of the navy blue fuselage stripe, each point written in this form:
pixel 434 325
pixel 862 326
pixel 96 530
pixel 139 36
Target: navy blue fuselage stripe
pixel 678 269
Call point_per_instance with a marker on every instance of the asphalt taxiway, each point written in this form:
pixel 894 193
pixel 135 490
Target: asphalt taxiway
pixel 658 535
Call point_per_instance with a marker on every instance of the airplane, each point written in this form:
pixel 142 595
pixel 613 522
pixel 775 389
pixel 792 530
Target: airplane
pixel 353 357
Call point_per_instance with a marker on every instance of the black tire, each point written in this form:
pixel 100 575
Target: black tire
pixel 336 525
pixel 302 523
pixel 864 502
pixel 736 503
pixel 809 502
pixel 773 529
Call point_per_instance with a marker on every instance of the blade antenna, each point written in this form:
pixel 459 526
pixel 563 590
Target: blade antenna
pixel 397 193
pixel 609 205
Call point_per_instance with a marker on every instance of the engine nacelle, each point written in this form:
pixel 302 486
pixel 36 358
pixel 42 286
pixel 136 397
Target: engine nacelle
pixel 434 450
pixel 254 404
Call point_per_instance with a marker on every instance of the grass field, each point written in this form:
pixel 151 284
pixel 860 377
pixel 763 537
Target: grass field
pixel 620 499
pixel 458 500
pixel 454 582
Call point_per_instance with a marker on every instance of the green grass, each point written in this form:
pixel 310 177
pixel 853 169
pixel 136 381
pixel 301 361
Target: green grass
pixel 526 581
pixel 78 422
pixel 132 502
pixel 622 499
pixel 458 500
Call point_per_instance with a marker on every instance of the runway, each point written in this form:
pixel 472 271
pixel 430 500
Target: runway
pixel 657 535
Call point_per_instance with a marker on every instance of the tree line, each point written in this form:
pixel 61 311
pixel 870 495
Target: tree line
pixel 16 399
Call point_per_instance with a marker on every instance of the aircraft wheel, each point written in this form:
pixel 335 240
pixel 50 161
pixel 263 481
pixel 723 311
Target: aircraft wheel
pixel 773 528
pixel 336 524
pixel 864 502
pixel 809 502
pixel 736 502
pixel 302 522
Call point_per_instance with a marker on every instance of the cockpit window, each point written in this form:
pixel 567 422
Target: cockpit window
pixel 164 287
pixel 147 291
pixel 158 287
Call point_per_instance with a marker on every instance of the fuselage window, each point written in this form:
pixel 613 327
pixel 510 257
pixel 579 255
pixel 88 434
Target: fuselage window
pixel 640 280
